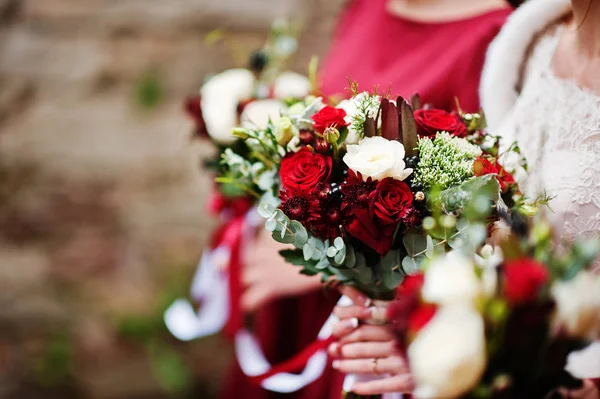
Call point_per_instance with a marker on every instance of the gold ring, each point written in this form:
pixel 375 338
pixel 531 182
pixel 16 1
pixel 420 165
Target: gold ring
pixel 374 366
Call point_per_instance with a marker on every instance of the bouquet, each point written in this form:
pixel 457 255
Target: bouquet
pixel 355 188
pixel 501 322
pixel 350 186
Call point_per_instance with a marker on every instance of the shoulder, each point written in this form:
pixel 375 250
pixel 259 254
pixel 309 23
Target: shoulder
pixel 507 53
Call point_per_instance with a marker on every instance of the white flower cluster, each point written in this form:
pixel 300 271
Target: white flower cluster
pixel 445 161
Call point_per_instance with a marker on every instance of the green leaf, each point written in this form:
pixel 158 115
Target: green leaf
pixel 265 210
pixel 271 225
pixel 350 257
pixel 287 238
pixel 414 243
pixel 474 197
pixel 412 265
pixel 300 233
pixel 309 249
pixel 323 264
pixel 339 243
pixel 340 256
pixel 430 247
pixel 332 251
pixel 365 275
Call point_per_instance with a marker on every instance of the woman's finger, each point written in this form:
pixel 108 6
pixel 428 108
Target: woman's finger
pixel 344 327
pixel 367 350
pixel 398 383
pixel 347 312
pixel 389 365
pixel 356 296
pixel 587 391
pixel 366 333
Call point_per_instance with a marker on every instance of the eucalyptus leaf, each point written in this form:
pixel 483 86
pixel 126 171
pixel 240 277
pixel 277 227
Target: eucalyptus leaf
pixel 365 275
pixel 339 243
pixel 323 264
pixel 265 210
pixel 350 257
pixel 332 251
pixel 300 234
pixel 340 257
pixel 412 266
pixel 308 250
pixel 414 243
pixel 271 225
pixel 430 247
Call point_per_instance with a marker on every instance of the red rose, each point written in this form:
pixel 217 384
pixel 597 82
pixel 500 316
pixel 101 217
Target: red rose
pixel 420 317
pixel 390 201
pixel 411 285
pixel 374 223
pixel 523 280
pixel 483 166
pixel 303 170
pixel 364 229
pixel 507 181
pixel 432 121
pixel 328 117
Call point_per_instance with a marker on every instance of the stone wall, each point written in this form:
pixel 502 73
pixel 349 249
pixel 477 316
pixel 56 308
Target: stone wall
pixel 101 197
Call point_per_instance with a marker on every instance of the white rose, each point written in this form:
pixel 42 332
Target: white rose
pixel 291 85
pixel 585 363
pixel 448 356
pixel 578 305
pixel 378 158
pixel 220 98
pixel 451 279
pixel 256 115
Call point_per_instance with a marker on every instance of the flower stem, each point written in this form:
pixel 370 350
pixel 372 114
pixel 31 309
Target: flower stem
pixel 226 180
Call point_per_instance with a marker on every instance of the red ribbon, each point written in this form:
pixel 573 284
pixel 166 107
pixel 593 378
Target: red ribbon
pixel 296 362
pixel 230 235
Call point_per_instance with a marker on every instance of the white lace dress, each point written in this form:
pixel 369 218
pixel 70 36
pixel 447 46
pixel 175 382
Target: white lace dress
pixel 557 125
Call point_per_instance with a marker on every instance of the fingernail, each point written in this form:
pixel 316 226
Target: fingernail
pixel 366 313
pixel 367 302
pixel 334 348
pixel 335 364
pixel 352 323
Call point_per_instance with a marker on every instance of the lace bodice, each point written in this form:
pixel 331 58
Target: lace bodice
pixel 557 125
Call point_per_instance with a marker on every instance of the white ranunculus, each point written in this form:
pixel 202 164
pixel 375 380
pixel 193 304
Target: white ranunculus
pixel 220 98
pixel 378 158
pixel 291 85
pixel 578 305
pixel 585 363
pixel 451 279
pixel 256 115
pixel 351 107
pixel 448 356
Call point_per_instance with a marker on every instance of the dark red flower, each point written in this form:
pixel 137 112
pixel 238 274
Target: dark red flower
pixel 327 226
pixel 507 180
pixel 523 280
pixel 411 218
pixel 322 146
pixel 300 206
pixel 321 191
pixel 432 121
pixel 193 107
pixel 303 170
pixel 390 201
pixel 329 117
pixel 306 136
pixel 356 191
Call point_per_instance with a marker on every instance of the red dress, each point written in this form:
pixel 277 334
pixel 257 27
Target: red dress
pixel 437 60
